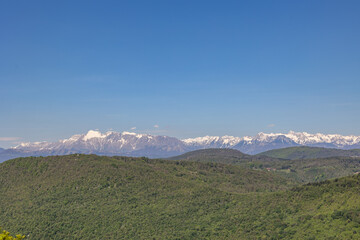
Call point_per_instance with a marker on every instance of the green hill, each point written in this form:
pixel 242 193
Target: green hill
pixel 315 170
pixel 93 197
pixel 222 155
pixel 120 197
pixel 301 170
pixel 309 153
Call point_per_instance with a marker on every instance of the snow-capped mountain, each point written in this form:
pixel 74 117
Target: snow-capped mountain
pixel 109 143
pixel 304 138
pixel 263 142
pixel 212 142
pixel 134 144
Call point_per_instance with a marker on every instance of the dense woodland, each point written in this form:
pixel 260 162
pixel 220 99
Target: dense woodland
pixel 304 152
pixel 93 197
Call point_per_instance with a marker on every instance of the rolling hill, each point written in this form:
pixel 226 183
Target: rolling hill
pixel 221 155
pixel 301 170
pixel 315 170
pixel 304 152
pixel 121 197
pixel 93 197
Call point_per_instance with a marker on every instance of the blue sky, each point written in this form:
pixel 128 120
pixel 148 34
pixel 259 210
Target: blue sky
pixel 192 68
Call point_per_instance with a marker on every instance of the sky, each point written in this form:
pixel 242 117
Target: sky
pixel 178 68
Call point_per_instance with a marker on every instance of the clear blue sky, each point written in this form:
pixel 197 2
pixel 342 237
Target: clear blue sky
pixel 193 68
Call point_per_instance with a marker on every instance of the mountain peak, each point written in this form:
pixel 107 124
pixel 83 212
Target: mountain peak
pixel 129 133
pixel 93 134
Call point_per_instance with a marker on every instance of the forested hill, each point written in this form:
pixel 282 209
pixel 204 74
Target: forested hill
pixel 299 170
pixel 309 153
pixel 93 197
pixel 221 155
pixel 121 197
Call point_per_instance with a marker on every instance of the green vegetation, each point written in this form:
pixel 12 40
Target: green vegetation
pixel 93 197
pixel 315 170
pixel 301 170
pixel 326 210
pixel 222 155
pixel 309 153
pixel 120 197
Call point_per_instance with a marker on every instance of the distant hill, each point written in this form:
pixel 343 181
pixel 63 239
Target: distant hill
pixel 315 170
pixel 93 197
pixel 309 152
pixel 221 155
pixel 301 170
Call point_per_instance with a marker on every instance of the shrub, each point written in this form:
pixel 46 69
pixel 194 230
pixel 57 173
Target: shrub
pixel 4 235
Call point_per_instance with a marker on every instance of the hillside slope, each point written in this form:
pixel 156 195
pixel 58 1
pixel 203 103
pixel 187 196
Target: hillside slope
pixel 123 198
pixel 309 152
pixel 92 197
pixel 315 170
pixel 325 210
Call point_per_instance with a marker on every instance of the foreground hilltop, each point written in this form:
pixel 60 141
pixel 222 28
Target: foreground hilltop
pixel 93 197
pixel 121 197
pixel 135 144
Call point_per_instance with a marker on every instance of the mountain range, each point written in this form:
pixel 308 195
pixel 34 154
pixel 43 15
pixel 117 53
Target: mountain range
pixel 134 144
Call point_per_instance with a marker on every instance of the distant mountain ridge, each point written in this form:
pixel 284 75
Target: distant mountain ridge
pixel 109 143
pixel 134 144
pixel 264 142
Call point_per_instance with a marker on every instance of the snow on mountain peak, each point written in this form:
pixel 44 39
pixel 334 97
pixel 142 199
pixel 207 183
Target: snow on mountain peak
pixel 129 133
pixel 215 141
pixel 304 138
pixel 129 143
pixel 200 140
pixel 93 134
